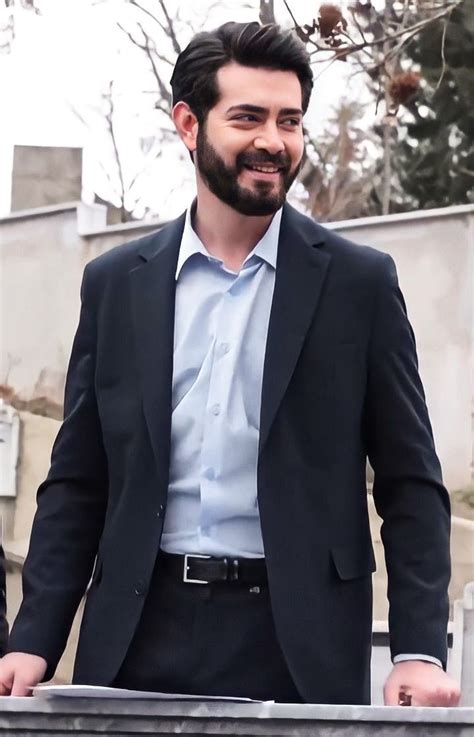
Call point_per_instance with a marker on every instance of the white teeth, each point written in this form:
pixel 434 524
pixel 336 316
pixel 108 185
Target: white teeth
pixel 266 169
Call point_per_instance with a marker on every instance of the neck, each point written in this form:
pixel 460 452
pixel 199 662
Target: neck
pixel 227 234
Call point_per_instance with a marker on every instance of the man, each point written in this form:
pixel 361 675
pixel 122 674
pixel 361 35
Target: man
pixel 3 604
pixel 228 378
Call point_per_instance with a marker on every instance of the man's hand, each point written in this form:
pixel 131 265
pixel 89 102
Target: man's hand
pixel 20 672
pixel 426 683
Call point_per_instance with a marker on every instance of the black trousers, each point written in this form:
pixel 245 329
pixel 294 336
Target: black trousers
pixel 215 639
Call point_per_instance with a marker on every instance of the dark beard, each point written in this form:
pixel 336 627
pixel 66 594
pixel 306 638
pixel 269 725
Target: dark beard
pixel 222 179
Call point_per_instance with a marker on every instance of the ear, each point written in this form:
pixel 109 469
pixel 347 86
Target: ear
pixel 186 124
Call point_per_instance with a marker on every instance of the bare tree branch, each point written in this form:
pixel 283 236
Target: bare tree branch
pixel 171 31
pixel 357 24
pixel 443 58
pixel 291 15
pixel 150 49
pixel 109 117
pixel 99 160
pixel 329 63
pixel 148 13
pixel 148 46
pixel 342 51
pixel 141 171
pixel 469 172
pixel 218 4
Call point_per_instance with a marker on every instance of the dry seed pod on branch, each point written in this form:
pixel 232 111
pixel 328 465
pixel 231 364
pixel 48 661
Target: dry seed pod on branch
pixel 331 20
pixel 403 87
pixel 329 28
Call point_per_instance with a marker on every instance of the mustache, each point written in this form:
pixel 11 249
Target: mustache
pixel 280 160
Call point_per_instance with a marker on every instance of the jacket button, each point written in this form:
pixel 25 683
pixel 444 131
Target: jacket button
pixel 140 588
pixel 160 511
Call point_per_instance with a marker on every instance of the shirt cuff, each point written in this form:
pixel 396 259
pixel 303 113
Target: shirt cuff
pixel 416 656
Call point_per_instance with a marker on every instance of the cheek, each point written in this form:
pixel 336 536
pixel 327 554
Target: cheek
pixel 296 151
pixel 231 151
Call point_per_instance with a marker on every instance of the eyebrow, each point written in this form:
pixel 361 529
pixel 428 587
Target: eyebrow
pixel 263 110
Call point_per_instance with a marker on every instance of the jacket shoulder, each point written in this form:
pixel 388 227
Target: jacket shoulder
pixel 343 251
pixel 358 262
pixel 124 257
pixel 356 255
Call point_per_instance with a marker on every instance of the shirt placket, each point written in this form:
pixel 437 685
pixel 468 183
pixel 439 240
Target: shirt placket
pixel 224 363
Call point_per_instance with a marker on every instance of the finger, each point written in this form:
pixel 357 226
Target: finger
pixel 438 697
pixel 20 688
pixel 391 693
pixel 6 685
pixel 422 697
pixel 455 697
pixel 442 697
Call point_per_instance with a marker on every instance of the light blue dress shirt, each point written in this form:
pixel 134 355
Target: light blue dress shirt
pixel 221 325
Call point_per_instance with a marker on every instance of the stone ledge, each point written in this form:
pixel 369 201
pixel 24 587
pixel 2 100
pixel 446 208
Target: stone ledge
pixel 37 716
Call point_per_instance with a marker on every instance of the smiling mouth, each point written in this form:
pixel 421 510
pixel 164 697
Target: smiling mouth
pixel 264 169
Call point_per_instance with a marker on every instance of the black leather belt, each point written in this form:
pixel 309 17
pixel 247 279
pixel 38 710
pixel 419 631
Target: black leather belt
pixel 203 569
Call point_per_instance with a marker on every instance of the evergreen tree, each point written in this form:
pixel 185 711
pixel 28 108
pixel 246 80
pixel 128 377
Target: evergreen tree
pixel 434 157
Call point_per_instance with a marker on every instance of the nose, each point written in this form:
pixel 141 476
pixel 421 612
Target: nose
pixel 270 140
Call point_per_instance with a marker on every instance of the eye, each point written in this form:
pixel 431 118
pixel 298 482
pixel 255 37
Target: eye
pixel 292 122
pixel 245 117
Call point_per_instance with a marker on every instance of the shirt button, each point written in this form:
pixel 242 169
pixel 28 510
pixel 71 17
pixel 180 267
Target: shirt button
pixel 216 409
pixel 224 348
pixel 205 531
pixel 210 474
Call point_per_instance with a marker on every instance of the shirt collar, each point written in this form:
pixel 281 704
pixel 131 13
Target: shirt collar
pixel 266 248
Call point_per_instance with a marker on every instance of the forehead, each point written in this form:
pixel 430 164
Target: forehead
pixel 257 86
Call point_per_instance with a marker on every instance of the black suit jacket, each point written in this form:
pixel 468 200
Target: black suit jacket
pixel 340 383
pixel 3 605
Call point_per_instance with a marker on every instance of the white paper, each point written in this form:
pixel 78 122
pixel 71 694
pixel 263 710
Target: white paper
pixel 104 692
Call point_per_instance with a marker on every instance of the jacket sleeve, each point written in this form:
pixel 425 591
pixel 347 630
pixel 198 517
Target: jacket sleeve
pixel 408 491
pixel 71 505
pixel 3 605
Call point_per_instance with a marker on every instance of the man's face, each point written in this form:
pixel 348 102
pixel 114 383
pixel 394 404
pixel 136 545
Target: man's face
pixel 250 148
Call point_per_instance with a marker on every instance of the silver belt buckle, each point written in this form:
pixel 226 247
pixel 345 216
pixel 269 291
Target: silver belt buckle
pixel 186 578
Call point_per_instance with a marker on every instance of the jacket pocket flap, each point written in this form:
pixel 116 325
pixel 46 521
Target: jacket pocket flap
pixel 353 561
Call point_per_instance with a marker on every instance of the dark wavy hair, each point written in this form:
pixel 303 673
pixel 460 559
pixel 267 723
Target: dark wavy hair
pixel 194 78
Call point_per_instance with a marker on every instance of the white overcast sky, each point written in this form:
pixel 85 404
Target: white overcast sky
pixel 66 56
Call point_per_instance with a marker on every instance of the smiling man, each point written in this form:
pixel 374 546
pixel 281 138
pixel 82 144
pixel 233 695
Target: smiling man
pixel 229 377
pixel 260 175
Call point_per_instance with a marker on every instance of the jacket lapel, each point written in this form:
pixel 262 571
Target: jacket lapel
pixel 301 270
pixel 153 298
pixel 300 275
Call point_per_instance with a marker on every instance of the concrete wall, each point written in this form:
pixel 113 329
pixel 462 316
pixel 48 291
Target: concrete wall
pixel 42 257
pixel 45 175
